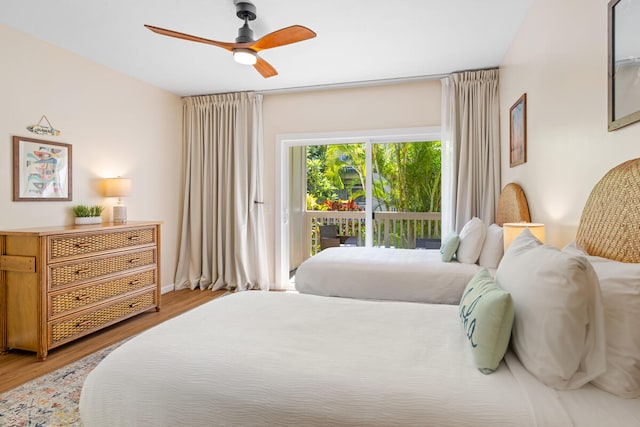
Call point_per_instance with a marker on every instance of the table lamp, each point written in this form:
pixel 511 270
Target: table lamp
pixel 118 187
pixel 512 229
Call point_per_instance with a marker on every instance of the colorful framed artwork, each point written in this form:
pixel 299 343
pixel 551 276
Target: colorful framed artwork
pixel 518 132
pixel 41 170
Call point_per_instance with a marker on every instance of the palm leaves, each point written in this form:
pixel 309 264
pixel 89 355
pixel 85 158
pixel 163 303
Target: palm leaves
pixel 407 176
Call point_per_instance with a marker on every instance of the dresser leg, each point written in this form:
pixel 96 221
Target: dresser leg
pixel 42 355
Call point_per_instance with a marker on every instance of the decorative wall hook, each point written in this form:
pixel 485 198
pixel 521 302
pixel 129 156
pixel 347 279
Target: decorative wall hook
pixel 43 130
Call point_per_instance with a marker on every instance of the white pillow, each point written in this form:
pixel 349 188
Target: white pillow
pixel 620 287
pixel 471 239
pixel 558 330
pixel 493 247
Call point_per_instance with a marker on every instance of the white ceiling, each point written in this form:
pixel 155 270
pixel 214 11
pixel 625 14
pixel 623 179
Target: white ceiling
pixel 357 40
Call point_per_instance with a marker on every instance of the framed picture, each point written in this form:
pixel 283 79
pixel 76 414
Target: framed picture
pixel 623 63
pixel 518 132
pixel 41 170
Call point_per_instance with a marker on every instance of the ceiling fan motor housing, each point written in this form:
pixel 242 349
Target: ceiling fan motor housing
pixel 247 12
pixel 245 34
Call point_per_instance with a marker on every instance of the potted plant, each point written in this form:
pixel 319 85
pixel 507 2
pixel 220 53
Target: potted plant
pixel 88 214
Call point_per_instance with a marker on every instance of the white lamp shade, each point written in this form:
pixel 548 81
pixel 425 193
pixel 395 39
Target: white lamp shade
pixel 117 187
pixel 512 229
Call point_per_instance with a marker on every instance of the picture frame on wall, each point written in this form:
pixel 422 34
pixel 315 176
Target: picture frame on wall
pixel 41 170
pixel 518 132
pixel 623 63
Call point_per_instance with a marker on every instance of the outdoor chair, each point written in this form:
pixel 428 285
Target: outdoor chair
pixel 428 243
pixel 329 237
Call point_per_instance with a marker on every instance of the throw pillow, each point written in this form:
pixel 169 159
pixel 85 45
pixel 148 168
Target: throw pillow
pixel 486 312
pixel 471 239
pixel 449 246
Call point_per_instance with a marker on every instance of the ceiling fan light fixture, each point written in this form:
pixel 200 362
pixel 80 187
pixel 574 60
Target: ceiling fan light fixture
pixel 245 56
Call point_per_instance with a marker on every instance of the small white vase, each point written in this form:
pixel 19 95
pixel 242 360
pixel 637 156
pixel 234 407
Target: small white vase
pixel 88 220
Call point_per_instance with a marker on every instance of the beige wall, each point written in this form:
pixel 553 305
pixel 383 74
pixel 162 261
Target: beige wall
pixel 116 126
pixel 402 105
pixel 120 126
pixel 559 58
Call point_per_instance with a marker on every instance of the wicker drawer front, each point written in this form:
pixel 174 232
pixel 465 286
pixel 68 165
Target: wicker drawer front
pixel 67 274
pixel 78 298
pixel 102 317
pixel 66 246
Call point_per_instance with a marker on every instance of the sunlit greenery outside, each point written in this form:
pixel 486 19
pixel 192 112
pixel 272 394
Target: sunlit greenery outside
pixel 406 178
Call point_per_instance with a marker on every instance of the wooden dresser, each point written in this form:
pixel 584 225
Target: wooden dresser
pixel 60 283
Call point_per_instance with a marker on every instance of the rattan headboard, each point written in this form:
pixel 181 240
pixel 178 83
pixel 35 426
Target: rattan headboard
pixel 512 205
pixel 610 222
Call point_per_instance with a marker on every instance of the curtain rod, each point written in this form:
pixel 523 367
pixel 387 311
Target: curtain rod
pixel 362 83
pixel 349 85
pixel 330 86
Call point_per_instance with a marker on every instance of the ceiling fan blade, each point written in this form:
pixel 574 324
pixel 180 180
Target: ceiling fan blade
pixel 285 36
pixel 176 34
pixel 265 68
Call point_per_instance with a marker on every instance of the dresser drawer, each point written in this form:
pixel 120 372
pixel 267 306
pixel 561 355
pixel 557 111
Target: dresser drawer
pixel 66 330
pixel 61 247
pixel 77 298
pixel 82 270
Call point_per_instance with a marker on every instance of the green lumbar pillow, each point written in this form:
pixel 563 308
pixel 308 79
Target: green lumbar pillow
pixel 449 246
pixel 486 312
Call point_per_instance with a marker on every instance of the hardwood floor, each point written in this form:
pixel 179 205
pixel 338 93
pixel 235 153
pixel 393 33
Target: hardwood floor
pixel 17 367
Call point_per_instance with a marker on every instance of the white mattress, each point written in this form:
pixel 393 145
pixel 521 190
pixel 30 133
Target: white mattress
pixel 385 274
pixel 272 358
pixel 267 358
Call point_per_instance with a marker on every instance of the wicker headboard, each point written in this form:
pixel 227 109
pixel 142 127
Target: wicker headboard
pixel 512 205
pixel 610 222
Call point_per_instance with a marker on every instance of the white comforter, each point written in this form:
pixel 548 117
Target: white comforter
pixel 286 359
pixel 384 274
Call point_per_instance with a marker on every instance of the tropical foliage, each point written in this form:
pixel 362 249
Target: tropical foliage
pixel 319 185
pixel 341 205
pixel 406 176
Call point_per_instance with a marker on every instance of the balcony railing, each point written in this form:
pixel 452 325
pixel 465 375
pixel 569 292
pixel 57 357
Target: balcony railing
pixel 390 229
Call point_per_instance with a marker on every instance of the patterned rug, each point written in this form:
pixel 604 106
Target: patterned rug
pixel 52 399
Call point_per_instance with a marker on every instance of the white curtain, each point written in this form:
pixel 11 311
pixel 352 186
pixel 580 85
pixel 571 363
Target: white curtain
pixel 222 240
pixel 471 148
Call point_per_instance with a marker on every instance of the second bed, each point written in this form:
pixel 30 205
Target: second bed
pixel 400 274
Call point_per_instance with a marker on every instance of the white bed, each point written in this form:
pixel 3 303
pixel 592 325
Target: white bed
pixel 292 359
pixel 403 274
pixel 384 273
pixel 289 359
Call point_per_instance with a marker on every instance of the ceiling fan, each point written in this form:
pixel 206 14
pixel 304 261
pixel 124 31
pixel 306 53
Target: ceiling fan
pixel 245 49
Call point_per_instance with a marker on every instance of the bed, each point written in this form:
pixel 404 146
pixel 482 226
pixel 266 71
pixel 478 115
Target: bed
pixel 408 274
pixel 277 358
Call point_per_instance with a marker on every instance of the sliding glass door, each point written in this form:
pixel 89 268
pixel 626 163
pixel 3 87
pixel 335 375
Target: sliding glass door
pixel 398 205
pixel 406 194
pixel 378 188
